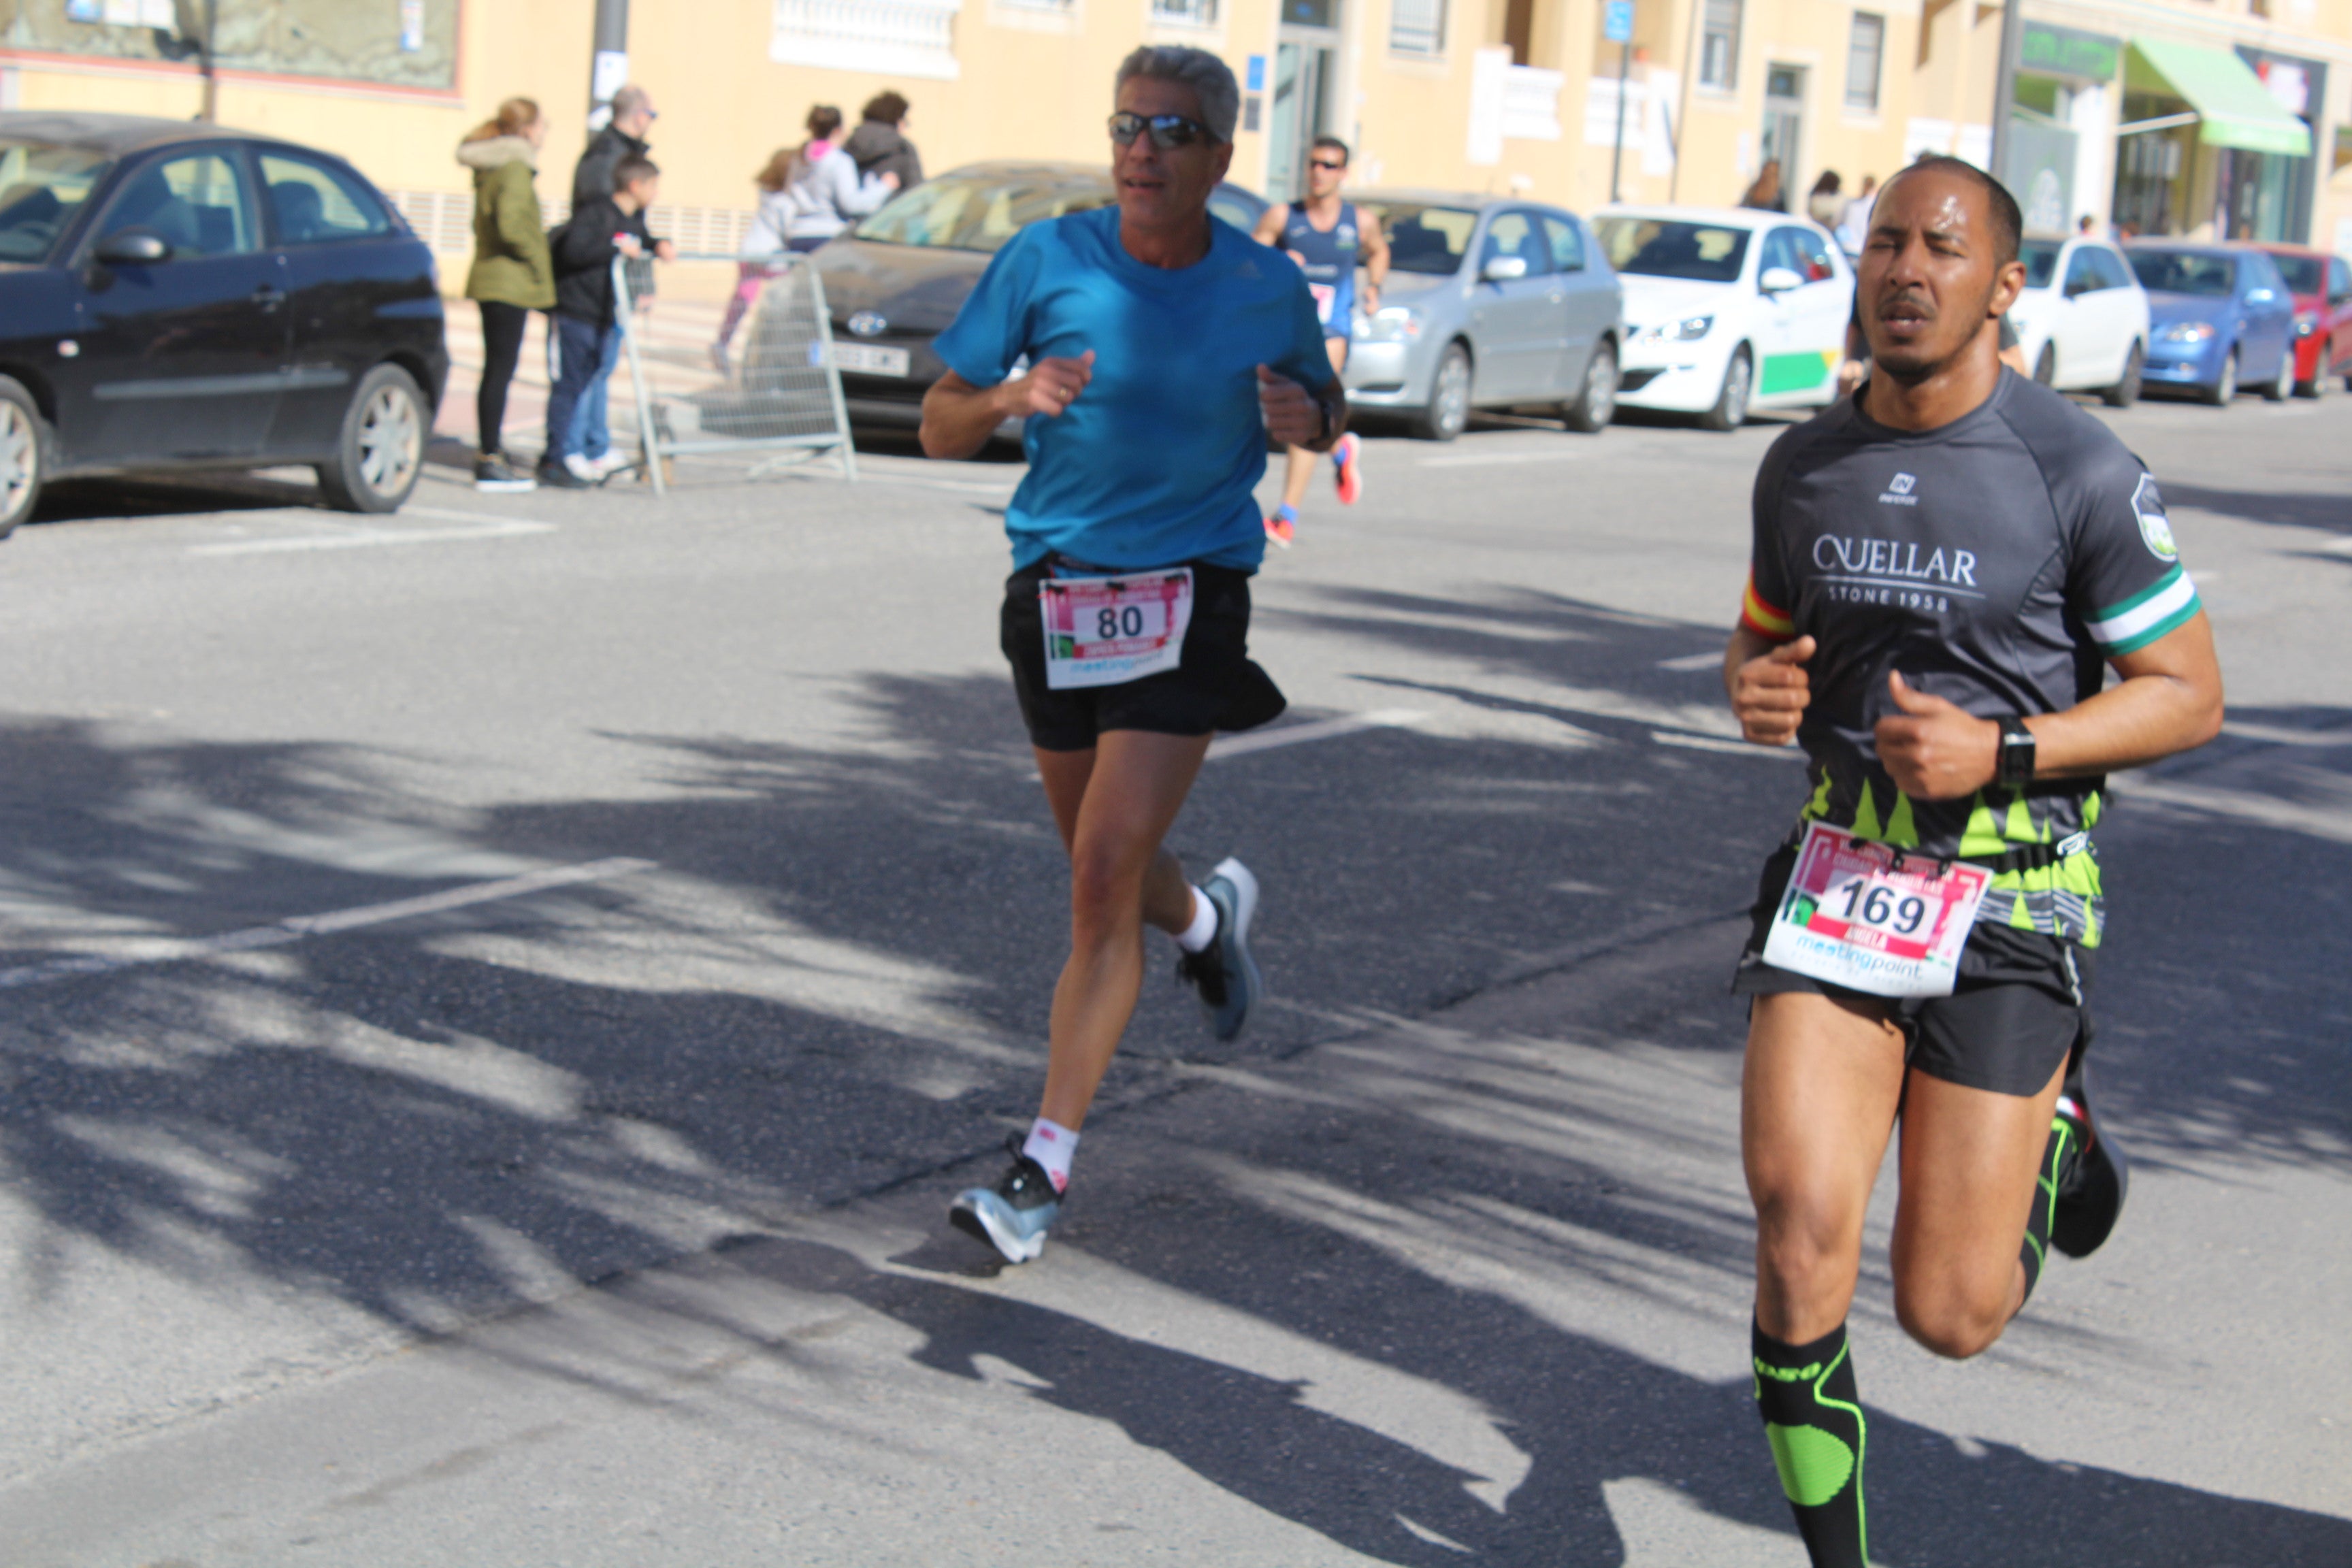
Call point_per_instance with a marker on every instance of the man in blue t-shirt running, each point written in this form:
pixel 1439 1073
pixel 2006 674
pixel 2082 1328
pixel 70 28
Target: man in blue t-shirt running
pixel 1164 349
pixel 1328 239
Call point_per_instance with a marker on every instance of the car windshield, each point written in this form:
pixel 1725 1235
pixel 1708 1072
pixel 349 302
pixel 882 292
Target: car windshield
pixel 42 185
pixel 971 213
pixel 2040 258
pixel 2303 273
pixel 1423 238
pixel 1660 247
pixel 2184 272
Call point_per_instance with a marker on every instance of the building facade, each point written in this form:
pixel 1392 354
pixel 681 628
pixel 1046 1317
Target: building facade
pixel 2219 117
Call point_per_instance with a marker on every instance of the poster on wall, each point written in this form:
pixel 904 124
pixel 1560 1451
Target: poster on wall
pixel 394 43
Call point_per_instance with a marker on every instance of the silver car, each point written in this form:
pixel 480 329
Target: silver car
pixel 1491 302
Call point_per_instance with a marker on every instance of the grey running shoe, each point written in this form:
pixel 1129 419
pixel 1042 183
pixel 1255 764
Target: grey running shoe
pixel 2096 1176
pixel 1223 972
pixel 1013 1216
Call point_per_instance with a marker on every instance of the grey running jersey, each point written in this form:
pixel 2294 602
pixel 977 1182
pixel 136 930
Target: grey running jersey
pixel 1996 563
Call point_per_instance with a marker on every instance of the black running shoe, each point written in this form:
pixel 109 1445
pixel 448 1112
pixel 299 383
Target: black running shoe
pixel 556 476
pixel 2094 1178
pixel 1013 1216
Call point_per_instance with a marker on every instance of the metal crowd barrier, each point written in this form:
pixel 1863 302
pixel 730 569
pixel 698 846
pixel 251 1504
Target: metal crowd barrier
pixel 779 390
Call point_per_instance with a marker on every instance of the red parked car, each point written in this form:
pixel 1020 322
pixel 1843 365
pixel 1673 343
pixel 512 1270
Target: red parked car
pixel 2322 286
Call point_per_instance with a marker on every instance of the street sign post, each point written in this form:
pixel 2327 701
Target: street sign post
pixel 1617 27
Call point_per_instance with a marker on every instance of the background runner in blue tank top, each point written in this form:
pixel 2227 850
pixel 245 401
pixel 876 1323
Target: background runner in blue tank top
pixel 1947 568
pixel 1164 350
pixel 1328 239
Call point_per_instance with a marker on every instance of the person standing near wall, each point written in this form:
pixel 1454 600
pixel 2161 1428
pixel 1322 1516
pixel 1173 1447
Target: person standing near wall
pixel 1853 223
pixel 879 145
pixel 1765 194
pixel 1826 206
pixel 622 137
pixel 512 274
pixel 587 323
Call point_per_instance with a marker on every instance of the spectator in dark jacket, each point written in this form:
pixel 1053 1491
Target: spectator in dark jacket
pixel 588 326
pixel 879 145
pixel 622 137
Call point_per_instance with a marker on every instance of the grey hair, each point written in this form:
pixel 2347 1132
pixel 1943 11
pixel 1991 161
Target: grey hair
pixel 629 100
pixel 1211 79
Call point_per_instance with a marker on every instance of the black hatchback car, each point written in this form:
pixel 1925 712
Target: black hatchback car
pixel 178 296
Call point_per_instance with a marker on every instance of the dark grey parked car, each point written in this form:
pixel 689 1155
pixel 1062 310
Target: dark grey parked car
pixel 179 296
pixel 894 282
pixel 1492 302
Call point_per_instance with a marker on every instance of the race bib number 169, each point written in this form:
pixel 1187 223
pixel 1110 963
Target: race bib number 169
pixel 1866 916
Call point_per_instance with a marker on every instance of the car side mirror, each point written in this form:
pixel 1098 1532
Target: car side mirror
pixel 134 248
pixel 1504 269
pixel 1780 280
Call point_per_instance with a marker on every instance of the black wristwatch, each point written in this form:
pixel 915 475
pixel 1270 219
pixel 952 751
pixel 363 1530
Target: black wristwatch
pixel 2013 763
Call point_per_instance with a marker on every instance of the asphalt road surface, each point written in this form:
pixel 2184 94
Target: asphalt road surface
pixel 497 1000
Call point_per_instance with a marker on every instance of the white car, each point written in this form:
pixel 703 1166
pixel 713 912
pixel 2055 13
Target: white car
pixel 1727 309
pixel 2083 318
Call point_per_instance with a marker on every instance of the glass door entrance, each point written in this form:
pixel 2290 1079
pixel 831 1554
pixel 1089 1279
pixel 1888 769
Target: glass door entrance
pixel 1784 127
pixel 1305 57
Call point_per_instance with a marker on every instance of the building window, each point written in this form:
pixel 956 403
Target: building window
pixel 1864 50
pixel 886 37
pixel 1417 27
pixel 1185 12
pixel 1719 48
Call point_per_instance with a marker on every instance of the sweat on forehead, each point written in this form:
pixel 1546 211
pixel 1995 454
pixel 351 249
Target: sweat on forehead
pixel 1998 206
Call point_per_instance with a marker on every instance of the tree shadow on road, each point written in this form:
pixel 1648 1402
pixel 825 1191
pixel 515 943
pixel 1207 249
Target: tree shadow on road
pixel 837 982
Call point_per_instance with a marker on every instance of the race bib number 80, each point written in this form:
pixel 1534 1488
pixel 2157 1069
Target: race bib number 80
pixel 1106 631
pixel 1866 916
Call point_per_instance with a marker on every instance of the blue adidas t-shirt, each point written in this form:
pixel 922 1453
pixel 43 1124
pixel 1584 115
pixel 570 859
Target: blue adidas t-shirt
pixel 1156 461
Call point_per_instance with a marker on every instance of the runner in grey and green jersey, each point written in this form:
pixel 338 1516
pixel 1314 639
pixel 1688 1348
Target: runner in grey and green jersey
pixel 1946 568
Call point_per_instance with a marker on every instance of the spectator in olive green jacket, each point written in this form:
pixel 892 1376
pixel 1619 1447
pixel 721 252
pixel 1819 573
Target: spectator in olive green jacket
pixel 512 274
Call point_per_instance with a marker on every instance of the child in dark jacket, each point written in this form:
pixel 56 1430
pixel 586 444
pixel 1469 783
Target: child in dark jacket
pixel 587 323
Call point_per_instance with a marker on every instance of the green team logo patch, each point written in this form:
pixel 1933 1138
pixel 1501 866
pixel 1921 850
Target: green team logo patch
pixel 2147 505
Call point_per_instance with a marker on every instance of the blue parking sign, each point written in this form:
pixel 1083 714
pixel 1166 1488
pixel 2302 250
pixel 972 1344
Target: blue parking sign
pixel 1617 21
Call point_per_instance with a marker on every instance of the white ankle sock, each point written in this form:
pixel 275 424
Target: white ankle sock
pixel 1196 937
pixel 1054 1147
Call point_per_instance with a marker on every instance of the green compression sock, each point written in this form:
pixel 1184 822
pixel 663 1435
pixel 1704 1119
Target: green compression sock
pixel 1813 1420
pixel 2065 1141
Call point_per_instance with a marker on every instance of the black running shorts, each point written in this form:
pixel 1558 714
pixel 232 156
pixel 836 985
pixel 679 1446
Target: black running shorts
pixel 2015 1013
pixel 1217 686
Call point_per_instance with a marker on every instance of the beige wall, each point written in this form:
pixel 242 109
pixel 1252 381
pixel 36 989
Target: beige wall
pixel 1034 84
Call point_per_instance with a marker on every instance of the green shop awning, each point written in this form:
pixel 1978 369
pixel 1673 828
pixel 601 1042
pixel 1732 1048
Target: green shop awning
pixel 2234 107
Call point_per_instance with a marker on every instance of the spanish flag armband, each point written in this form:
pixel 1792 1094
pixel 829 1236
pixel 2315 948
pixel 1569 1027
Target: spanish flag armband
pixel 1761 615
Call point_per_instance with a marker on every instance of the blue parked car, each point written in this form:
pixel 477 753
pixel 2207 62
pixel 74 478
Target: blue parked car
pixel 2220 316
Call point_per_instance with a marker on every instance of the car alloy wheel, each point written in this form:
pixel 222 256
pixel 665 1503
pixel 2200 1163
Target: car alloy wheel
pixel 1596 404
pixel 1730 410
pixel 24 445
pixel 382 445
pixel 2223 390
pixel 2126 392
pixel 2321 377
pixel 1449 397
pixel 2281 387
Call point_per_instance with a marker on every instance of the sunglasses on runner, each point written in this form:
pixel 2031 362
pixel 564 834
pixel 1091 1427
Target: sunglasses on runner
pixel 1324 163
pixel 1167 130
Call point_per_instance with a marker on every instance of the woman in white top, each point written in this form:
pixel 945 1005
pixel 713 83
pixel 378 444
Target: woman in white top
pixel 806 196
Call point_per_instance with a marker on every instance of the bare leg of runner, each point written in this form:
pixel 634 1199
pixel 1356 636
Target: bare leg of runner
pixel 1114 805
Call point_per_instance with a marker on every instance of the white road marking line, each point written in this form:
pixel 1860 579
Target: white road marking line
pixel 445 514
pixel 2334 547
pixel 1731 748
pixel 1318 729
pixel 365 538
pixel 175 949
pixel 1691 661
pixel 1480 459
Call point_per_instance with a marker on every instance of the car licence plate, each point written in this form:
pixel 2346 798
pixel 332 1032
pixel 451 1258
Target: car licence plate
pixel 871 359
